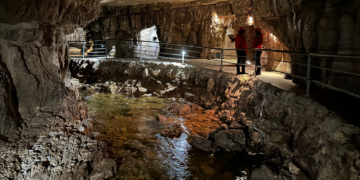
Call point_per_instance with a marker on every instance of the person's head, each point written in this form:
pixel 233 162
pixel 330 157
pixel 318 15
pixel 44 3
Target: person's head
pixel 241 30
pixel 257 31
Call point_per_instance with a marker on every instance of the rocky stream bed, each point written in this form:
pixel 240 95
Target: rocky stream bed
pixel 297 137
pixel 164 138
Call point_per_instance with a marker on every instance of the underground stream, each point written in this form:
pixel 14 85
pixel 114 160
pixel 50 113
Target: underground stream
pixel 129 127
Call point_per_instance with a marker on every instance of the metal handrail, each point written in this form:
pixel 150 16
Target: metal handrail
pixel 183 56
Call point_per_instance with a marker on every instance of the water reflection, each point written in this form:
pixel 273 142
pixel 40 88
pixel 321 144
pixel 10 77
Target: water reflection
pixel 129 128
pixel 174 156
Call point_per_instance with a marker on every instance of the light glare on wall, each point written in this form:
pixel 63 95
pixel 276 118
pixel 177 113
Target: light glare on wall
pixel 272 36
pixel 216 19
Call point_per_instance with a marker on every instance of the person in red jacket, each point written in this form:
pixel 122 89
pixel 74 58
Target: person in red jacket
pixel 258 44
pixel 240 43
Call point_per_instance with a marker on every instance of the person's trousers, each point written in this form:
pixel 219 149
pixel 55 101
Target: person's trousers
pixel 241 59
pixel 257 61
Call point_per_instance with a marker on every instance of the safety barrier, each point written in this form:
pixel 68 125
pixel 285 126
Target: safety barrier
pixel 184 53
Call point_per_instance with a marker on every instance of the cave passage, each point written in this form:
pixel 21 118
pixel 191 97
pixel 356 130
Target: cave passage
pixel 157 80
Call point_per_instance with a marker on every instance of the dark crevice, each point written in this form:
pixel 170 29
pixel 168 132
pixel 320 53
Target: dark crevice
pixel 27 6
pixel 13 101
pixel 26 67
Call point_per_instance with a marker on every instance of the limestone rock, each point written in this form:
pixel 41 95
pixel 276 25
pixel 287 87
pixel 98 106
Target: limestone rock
pixel 174 130
pixel 235 125
pixel 201 143
pixel 104 170
pixel 233 140
pixel 264 173
pixel 180 109
pixel 160 118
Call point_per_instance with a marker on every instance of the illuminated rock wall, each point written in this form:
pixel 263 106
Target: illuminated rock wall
pixel 322 26
pixel 40 111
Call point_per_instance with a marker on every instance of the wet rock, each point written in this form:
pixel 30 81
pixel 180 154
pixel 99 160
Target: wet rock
pixel 174 130
pixel 255 136
pixel 293 168
pixel 104 170
pixel 225 126
pixel 86 126
pixel 233 140
pixel 218 129
pixel 265 173
pixel 135 144
pixel 160 118
pixel 235 125
pixel 201 143
pixel 180 109
pixel 143 90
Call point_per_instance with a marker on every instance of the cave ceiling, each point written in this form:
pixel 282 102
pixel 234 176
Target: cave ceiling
pixel 137 2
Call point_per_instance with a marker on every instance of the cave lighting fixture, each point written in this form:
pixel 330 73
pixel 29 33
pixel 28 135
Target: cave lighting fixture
pixel 250 21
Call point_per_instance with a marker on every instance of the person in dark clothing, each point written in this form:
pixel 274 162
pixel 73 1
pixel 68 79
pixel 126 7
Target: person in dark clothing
pixel 258 44
pixel 240 43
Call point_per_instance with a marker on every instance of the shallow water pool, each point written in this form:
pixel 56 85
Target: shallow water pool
pixel 128 125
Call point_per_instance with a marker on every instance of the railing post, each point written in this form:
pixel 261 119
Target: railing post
pixel 140 51
pixel 83 49
pixel 183 55
pixel 255 66
pixel 308 77
pixel 222 57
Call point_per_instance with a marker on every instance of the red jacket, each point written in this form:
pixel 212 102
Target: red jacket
pixel 240 42
pixel 258 42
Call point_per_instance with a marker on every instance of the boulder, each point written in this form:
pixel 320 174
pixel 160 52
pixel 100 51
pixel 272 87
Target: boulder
pixel 212 133
pixel 233 140
pixel 104 170
pixel 201 142
pixel 180 109
pixel 235 125
pixel 160 118
pixel 264 173
pixel 174 130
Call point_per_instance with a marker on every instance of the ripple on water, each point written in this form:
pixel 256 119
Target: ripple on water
pixel 128 126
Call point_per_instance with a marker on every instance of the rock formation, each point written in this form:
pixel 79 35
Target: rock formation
pixel 38 98
pixel 299 138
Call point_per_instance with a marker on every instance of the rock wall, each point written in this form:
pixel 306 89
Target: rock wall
pixel 299 138
pixel 37 94
pixel 323 26
pixel 174 23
